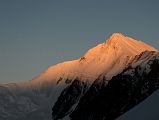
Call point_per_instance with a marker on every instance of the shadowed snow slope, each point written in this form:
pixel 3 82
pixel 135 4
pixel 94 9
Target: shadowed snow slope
pixel 108 58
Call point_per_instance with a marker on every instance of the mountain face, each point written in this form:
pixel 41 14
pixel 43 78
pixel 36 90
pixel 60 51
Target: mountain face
pixel 122 92
pixel 104 83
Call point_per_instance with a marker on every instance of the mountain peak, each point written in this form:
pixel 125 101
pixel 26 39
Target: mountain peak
pixel 117 37
pixel 108 58
pixel 119 40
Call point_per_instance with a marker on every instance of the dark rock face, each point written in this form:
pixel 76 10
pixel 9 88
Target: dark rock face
pixel 68 98
pixel 120 94
pixel 107 100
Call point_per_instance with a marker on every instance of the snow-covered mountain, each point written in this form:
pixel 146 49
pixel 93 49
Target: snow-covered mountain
pixel 70 90
pixel 108 58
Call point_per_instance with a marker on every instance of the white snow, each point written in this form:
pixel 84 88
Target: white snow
pixel 108 58
pixel 144 62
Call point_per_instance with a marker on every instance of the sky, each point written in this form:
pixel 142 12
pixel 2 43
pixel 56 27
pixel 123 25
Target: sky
pixel 35 34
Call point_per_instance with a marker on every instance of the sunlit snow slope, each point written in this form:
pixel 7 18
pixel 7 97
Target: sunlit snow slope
pixel 108 58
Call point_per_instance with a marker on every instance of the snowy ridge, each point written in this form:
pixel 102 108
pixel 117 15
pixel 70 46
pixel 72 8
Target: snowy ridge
pixel 144 60
pixel 108 58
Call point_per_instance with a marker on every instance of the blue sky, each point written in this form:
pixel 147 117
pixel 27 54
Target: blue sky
pixel 35 34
